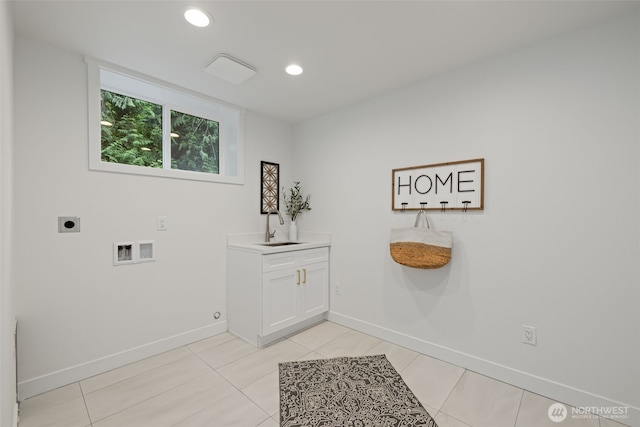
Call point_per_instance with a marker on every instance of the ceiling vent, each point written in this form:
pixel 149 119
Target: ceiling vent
pixel 230 69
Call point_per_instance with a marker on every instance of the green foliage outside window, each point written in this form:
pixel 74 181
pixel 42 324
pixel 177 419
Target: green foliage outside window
pixel 195 143
pixel 131 131
pixel 132 134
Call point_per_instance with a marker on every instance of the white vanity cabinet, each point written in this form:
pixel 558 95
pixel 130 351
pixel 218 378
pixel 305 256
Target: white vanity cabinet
pixel 273 294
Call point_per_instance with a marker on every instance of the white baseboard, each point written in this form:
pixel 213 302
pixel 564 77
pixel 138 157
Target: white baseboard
pixel 545 387
pixel 53 380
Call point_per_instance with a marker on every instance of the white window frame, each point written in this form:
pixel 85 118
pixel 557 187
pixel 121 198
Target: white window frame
pixel 113 78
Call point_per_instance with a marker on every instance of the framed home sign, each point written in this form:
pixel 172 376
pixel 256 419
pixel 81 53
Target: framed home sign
pixel 442 186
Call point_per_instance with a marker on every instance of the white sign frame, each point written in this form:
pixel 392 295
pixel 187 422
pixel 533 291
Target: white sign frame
pixel 441 186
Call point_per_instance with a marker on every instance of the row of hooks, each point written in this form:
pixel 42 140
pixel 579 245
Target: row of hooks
pixel 443 204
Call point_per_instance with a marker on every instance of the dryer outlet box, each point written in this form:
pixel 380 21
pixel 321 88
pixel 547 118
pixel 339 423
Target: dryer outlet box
pixel 68 224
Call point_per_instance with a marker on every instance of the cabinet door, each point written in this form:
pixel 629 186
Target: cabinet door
pixel 314 290
pixel 279 300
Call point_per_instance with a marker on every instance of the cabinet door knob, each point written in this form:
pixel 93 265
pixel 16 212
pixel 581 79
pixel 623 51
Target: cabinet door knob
pixel 298 271
pixel 305 275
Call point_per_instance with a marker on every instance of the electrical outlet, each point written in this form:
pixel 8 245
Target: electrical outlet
pixel 337 289
pixel 162 223
pixel 529 335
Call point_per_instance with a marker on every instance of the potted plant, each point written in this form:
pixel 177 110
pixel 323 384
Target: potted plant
pixel 295 203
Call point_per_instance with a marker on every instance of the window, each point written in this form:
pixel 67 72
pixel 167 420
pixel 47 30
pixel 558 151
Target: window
pixel 141 126
pixel 130 130
pixel 194 143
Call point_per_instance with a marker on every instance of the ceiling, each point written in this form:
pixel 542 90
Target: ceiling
pixel 350 50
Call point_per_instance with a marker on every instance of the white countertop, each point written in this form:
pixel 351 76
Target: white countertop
pixel 254 242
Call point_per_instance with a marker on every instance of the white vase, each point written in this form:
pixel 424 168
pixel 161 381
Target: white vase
pixel 293 231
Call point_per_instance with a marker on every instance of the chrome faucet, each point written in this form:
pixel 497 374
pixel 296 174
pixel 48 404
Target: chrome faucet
pixel 267 235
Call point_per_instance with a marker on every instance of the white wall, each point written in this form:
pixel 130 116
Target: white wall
pixel 78 313
pixel 557 245
pixel 7 314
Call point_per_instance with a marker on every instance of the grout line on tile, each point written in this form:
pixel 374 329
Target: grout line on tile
pixel 453 388
pixel 452 417
pixel 153 395
pixel 84 401
pixel 515 422
pixel 140 402
pixel 410 362
pixel 137 373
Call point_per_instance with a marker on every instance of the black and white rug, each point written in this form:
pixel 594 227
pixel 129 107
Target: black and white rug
pixel 347 392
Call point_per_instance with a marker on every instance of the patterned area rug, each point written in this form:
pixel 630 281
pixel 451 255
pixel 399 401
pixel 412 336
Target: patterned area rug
pixel 347 392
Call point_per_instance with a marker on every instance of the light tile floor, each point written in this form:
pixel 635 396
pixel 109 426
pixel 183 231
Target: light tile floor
pixel 224 382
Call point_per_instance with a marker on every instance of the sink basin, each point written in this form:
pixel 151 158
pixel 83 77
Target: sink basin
pixel 279 243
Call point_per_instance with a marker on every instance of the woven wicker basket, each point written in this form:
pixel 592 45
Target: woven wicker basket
pixel 420 247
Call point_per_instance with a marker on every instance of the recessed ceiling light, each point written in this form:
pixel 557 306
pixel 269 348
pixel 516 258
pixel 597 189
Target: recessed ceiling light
pixel 294 69
pixel 197 17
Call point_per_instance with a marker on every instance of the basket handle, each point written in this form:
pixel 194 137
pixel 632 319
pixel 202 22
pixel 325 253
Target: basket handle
pixel 422 213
